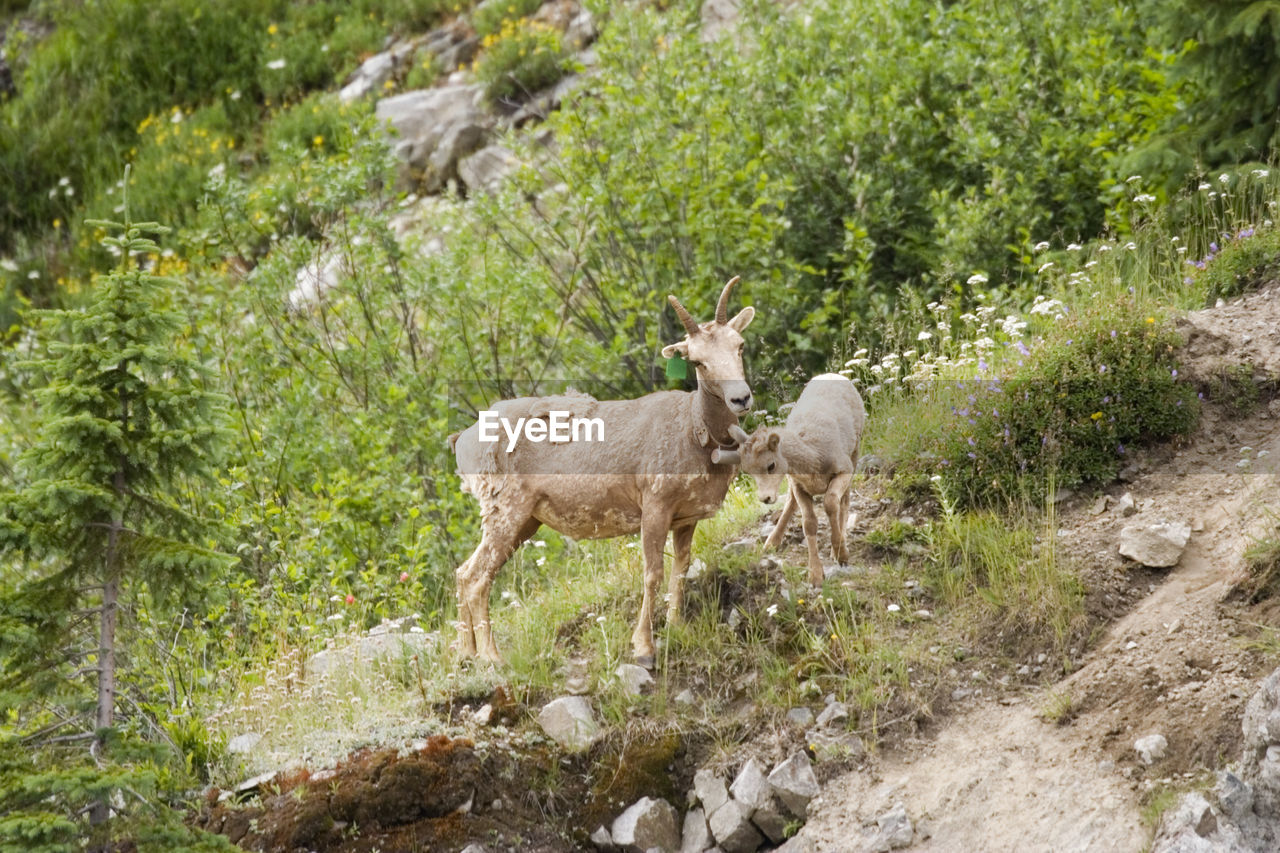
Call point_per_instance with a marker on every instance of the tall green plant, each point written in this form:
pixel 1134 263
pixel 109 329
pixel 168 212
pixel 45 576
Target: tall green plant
pixel 101 507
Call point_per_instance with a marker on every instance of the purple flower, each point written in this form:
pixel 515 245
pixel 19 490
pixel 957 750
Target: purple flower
pixel 1200 265
pixel 982 365
pixel 972 455
pixel 1022 348
pixel 1187 280
pixel 1113 333
pixel 1175 373
pixel 1213 248
pixel 1102 368
pixel 1120 449
pixel 972 443
pixel 1106 399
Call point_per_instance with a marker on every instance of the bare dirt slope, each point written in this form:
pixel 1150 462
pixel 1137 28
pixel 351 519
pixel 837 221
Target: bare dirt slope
pixel 1176 660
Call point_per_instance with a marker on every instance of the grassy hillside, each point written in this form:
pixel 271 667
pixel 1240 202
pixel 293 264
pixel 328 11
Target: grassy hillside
pixel 938 201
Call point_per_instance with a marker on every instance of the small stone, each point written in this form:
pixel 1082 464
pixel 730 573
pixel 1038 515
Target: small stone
pixel 633 678
pixel 1129 473
pixel 696 836
pixel 1126 505
pixel 828 745
pixel 794 783
pixel 602 839
pixel 475 847
pixel 751 787
pixel 1234 795
pixel 1156 545
pixel 710 790
pixel 695 570
pixel 836 712
pixel 483 715
pixel 740 546
pixel 733 830
pixel 648 823
pixel 895 829
pixel 1100 505
pixel 685 697
pixel 570 722
pixel 801 717
pixel 1151 748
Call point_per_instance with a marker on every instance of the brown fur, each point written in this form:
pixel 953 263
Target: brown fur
pixel 818 450
pixel 653 473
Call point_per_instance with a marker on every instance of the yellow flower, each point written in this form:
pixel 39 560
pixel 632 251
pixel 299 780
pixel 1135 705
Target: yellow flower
pixel 57 223
pixel 1151 319
pixel 1097 416
pixel 390 84
pixel 317 140
pixel 272 30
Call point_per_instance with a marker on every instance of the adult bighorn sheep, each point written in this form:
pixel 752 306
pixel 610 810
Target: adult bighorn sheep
pixel 665 463
pixel 818 451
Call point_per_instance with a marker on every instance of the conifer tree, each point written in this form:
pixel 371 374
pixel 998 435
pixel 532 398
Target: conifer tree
pixel 99 509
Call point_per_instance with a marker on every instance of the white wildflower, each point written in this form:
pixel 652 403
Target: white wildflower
pixel 1074 247
pixel 1041 246
pixel 235 96
pixel 177 116
pixel 1132 178
pixel 1144 198
pixel 64 181
pixel 1048 306
pixel 893 608
pixel 1203 186
pixel 1224 178
pixel 1260 173
pixel 1044 266
pixel 33 275
pixel 276 64
pixel 976 279
pixel 924 336
pixel 1105 247
pixel 8 265
pixel 1131 246
pixel 1090 264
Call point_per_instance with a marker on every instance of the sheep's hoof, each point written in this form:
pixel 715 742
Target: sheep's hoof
pixel 645 661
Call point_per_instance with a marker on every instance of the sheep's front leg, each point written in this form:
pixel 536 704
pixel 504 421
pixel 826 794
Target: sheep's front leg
pixel 780 529
pixel 836 502
pixel 681 547
pixel 653 536
pixel 810 535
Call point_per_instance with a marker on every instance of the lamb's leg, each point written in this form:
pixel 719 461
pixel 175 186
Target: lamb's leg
pixel 810 535
pixel 780 530
pixel 466 643
pixel 503 533
pixel 681 547
pixel 834 502
pixel 653 536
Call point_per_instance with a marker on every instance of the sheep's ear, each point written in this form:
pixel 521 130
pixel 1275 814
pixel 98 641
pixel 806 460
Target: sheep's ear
pixel 773 441
pixel 681 349
pixel 742 319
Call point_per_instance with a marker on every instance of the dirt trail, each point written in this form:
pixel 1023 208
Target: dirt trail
pixel 997 776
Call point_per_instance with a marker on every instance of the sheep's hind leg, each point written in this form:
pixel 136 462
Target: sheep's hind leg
pixel 816 574
pixel 502 535
pixel 836 502
pixel 681 547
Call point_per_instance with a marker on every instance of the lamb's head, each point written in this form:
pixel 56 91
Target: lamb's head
pixel 715 350
pixel 761 459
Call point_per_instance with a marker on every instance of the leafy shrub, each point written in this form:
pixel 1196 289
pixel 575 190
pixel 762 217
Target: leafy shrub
pixel 524 57
pixel 1100 382
pixel 490 17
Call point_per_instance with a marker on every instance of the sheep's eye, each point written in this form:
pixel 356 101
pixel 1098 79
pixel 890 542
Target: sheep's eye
pixel 772 465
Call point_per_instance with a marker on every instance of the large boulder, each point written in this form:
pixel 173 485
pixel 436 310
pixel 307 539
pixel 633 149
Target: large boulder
pixel 1156 545
pixel 436 128
pixel 795 784
pixel 733 830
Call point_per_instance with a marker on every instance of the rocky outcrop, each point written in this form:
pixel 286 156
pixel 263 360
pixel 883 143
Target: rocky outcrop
pixel 1157 545
pixel 435 128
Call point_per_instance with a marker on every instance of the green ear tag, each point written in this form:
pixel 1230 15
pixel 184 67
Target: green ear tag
pixel 677 367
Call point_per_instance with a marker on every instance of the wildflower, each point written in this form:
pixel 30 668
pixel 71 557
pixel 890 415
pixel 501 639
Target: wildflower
pixel 317 140
pixel 33 275
pixel 1174 373
pixel 924 336
pixel 8 265
pixel 57 223
pixel 1044 266
pixel 1022 348
pixel 1041 246
pixel 276 64
pixel 272 30
pixel 1104 248
pixel 1131 246
pixel 936 478
pixel 1097 416
pixel 1203 186
pixel 976 279
pixel 1224 178
pixel 1144 198
pixel 772 610
pixel 404 576
pixel 1260 173
pixel 1074 247
pixel 1132 178
pixel 350 599
pixel 893 608
pixel 235 96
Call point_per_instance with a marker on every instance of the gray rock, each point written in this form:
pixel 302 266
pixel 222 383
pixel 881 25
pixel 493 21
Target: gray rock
pixel 1151 748
pixel 685 697
pixel 1126 506
pixel 633 678
pixel 751 786
pixel 647 824
pixel 894 829
pixel 836 712
pixel 436 128
pixel 570 722
pixel 1234 795
pixel 733 830
pixel 1260 768
pixel 375 71
pixel 801 717
pixel 710 790
pixel 475 848
pixel 696 836
pixel 828 745
pixel 770 821
pixel 719 17
pixel 794 783
pixel 1190 827
pixel 485 170
pixel 581 31
pixel 1100 505
pixel 243 743
pixel 1157 545
pixel 602 839
pixel 797 844
pixel 373 649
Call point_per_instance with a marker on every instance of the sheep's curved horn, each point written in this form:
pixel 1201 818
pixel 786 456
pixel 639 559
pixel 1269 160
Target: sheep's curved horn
pixel 722 308
pixel 690 325
pixel 738 434
pixel 720 456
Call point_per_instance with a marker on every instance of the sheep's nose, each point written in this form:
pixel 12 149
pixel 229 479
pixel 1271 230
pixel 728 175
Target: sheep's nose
pixel 769 498
pixel 743 403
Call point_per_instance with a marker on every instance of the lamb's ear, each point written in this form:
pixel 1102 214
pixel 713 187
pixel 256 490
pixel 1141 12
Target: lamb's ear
pixel 742 319
pixel 681 349
pixel 773 441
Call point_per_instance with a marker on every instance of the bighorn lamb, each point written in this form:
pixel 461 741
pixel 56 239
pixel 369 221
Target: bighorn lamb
pixel 818 450
pixel 664 465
